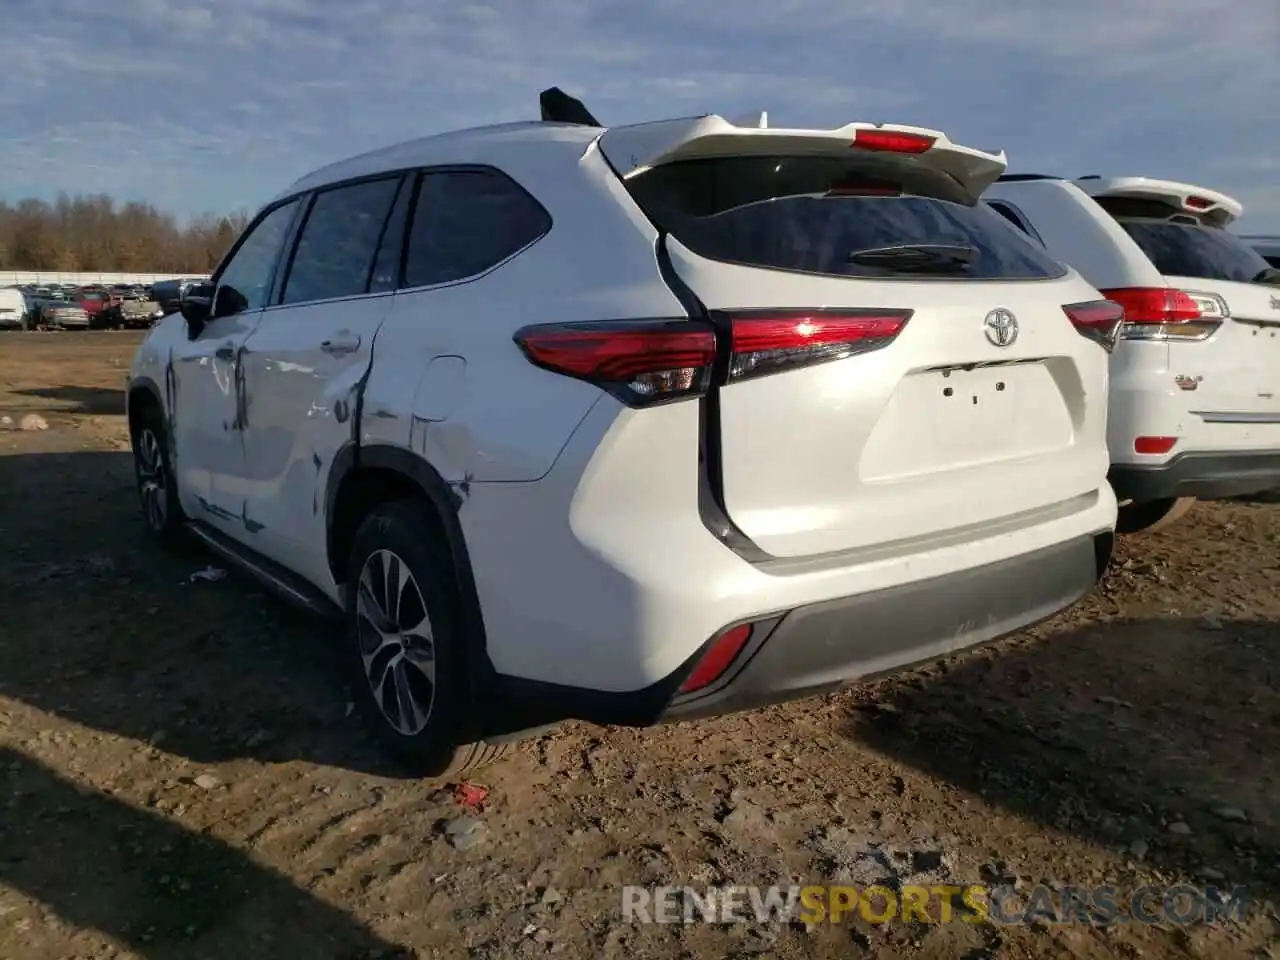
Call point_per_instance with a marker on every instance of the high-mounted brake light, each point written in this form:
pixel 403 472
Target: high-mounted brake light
pixel 770 341
pixel 891 141
pixel 640 362
pixel 647 362
pixel 1099 320
pixel 1199 203
pixel 1161 313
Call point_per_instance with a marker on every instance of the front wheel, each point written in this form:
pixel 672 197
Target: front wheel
pixel 1152 516
pixel 406 650
pixel 157 491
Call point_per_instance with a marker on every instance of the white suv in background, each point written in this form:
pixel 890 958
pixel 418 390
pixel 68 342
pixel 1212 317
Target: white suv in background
pixel 639 423
pixel 1195 379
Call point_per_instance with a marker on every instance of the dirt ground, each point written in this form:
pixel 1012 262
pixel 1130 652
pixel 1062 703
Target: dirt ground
pixel 181 777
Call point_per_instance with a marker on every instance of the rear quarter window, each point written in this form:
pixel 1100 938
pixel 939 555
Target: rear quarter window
pixel 809 214
pixel 465 222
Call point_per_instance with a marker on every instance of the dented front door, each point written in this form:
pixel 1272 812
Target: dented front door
pixel 304 367
pixel 206 410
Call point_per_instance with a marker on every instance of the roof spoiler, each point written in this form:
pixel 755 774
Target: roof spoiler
pixel 558 107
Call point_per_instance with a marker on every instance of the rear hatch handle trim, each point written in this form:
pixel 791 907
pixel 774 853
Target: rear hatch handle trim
pixel 711 506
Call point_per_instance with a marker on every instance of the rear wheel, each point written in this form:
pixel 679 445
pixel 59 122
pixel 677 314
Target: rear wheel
pixel 1153 515
pixel 406 651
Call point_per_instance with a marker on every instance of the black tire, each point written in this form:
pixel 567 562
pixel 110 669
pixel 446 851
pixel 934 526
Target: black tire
pixel 153 470
pixel 1152 516
pixel 404 535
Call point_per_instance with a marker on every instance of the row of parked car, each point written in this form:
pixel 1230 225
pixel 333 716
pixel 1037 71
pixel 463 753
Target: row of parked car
pixel 633 424
pixel 62 306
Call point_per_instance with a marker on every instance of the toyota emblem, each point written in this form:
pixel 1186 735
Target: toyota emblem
pixel 1001 327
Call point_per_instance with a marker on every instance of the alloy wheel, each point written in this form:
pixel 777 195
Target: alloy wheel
pixel 153 484
pixel 396 643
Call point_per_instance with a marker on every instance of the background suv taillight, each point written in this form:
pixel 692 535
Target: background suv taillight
pixel 1165 313
pixel 647 362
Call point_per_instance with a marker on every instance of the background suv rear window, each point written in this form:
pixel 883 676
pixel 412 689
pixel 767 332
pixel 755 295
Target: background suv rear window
pixel 1187 250
pixel 809 214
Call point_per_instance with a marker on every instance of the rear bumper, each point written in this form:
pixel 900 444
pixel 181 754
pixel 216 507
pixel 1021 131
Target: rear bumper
pixel 1206 476
pixel 822 646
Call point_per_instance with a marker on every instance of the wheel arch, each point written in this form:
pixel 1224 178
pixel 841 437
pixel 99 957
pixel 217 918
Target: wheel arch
pixel 365 475
pixel 142 392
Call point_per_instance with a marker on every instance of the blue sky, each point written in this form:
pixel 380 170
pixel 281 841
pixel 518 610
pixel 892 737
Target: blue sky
pixel 216 105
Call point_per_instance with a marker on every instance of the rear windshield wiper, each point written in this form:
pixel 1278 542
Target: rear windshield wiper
pixel 917 257
pixel 1271 275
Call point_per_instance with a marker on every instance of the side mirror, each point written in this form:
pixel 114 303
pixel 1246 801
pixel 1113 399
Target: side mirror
pixel 196 306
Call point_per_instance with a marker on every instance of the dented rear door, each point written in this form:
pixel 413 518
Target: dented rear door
pixel 305 366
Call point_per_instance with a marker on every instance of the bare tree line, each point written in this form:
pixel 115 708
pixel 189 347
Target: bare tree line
pixel 96 233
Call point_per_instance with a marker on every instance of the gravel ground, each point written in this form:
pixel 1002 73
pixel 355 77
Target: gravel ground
pixel 181 776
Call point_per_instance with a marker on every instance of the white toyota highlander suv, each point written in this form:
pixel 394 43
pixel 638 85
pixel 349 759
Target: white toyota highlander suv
pixel 1195 378
pixel 636 424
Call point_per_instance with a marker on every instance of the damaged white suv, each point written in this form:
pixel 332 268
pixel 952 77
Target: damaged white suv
pixel 639 423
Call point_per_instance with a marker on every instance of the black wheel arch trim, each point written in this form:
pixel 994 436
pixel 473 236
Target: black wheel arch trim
pixel 352 457
pixel 145 384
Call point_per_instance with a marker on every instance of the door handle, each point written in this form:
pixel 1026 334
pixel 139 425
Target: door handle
pixel 226 352
pixel 341 345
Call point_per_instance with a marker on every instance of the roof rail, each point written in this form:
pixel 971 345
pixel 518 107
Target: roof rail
pixel 1016 177
pixel 558 107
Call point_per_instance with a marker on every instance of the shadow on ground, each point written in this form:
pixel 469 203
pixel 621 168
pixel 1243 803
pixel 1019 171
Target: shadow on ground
pixel 1115 731
pixel 105 628
pixel 163 891
pixel 91 400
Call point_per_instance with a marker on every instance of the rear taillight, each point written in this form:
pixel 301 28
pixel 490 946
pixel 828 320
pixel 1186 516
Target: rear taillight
pixel 647 362
pixel 770 341
pixel 890 141
pixel 639 362
pixel 1099 320
pixel 1163 313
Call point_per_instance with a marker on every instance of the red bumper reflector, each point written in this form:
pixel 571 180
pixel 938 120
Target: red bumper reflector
pixel 717 659
pixel 1153 444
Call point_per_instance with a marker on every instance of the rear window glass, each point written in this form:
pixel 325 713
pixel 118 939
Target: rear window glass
pixel 1187 250
pixel 810 214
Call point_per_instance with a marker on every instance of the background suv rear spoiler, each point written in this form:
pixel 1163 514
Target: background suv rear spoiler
pixel 1216 207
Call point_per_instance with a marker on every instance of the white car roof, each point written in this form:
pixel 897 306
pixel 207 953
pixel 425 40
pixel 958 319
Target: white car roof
pixel 475 145
pixel 1185 196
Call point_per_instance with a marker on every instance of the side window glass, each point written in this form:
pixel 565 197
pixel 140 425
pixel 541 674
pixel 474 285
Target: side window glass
pixel 386 268
pixel 1010 214
pixel 466 221
pixel 245 283
pixel 336 247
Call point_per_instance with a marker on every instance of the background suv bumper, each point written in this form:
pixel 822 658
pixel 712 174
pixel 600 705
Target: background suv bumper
pixel 1208 476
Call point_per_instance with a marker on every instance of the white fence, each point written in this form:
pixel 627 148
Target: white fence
pixel 12 278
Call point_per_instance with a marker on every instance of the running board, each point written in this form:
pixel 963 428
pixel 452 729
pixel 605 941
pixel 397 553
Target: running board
pixel 288 586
